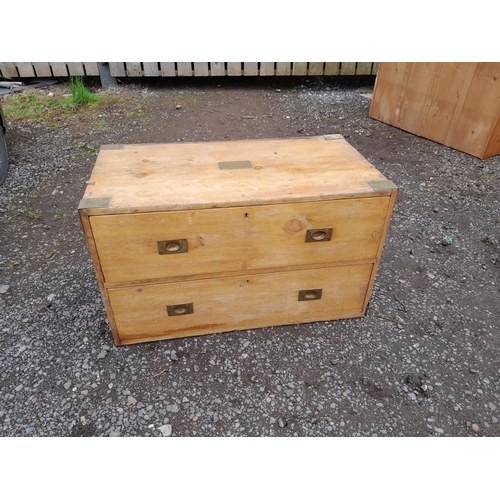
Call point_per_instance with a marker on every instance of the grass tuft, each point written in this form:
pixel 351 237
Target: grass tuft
pixel 80 94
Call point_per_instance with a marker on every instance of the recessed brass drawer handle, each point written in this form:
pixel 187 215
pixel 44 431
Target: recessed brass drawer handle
pixel 310 294
pixel 316 235
pixel 172 246
pixel 180 309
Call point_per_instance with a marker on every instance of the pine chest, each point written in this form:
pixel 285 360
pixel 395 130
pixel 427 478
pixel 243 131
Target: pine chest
pixel 197 238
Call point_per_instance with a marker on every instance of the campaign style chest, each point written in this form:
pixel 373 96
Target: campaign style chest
pixel 197 238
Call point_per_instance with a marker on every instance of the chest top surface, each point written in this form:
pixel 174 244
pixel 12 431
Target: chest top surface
pixel 183 176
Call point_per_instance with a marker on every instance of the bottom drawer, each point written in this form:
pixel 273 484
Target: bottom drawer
pixel 162 311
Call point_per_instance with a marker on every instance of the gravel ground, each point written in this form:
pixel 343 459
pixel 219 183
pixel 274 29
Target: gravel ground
pixel 423 362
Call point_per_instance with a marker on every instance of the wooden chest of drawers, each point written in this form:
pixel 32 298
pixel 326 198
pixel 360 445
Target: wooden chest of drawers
pixel 197 238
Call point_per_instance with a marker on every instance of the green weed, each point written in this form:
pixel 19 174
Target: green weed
pixel 80 94
pixel 27 211
pixel 88 147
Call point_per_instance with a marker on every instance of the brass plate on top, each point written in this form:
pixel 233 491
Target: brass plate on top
pixel 229 165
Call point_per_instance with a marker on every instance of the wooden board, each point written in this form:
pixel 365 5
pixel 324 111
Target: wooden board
pixel 455 104
pixel 332 68
pixel 42 69
pixel 8 70
pixel 234 69
pixel 184 69
pixel 76 69
pixel 151 69
pixel 91 68
pixel 237 239
pixel 25 69
pixel 250 69
pixel 364 68
pixel 348 68
pixel 266 69
pixel 134 69
pixel 299 69
pixel 315 68
pixel 237 303
pixel 283 69
pixel 59 68
pixel 117 69
pixel 217 69
pixel 201 69
pixel 185 176
pixel 168 69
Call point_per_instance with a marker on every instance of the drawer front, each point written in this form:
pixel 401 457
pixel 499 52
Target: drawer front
pixel 155 312
pixel 237 239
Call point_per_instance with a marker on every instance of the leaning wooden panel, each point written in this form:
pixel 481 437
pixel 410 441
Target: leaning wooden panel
pixel 243 302
pixel 455 104
pixel 42 69
pixel 418 96
pixel 480 112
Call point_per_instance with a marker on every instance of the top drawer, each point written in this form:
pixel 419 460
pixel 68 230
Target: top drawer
pixel 161 245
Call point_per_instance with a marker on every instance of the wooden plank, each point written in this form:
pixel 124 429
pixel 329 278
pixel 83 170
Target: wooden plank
pixel 133 69
pixel 25 69
pixel 445 87
pixel 468 75
pixel 281 173
pixel 75 68
pixel 59 68
pixel 315 68
pixel 419 91
pixel 332 68
pixel 375 68
pixel 227 304
pixel 480 111
pixel 250 69
pixel 151 69
pixel 217 69
pixel 184 69
pixel 234 69
pixel 348 68
pixel 42 69
pixel 299 68
pixel 364 68
pixel 168 69
pixel 8 70
pixel 283 68
pixel 201 69
pixel 91 68
pixel 267 69
pixel 389 92
pixel 230 239
pixel 117 69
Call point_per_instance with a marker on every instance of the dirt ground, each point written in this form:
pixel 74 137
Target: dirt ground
pixel 423 362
